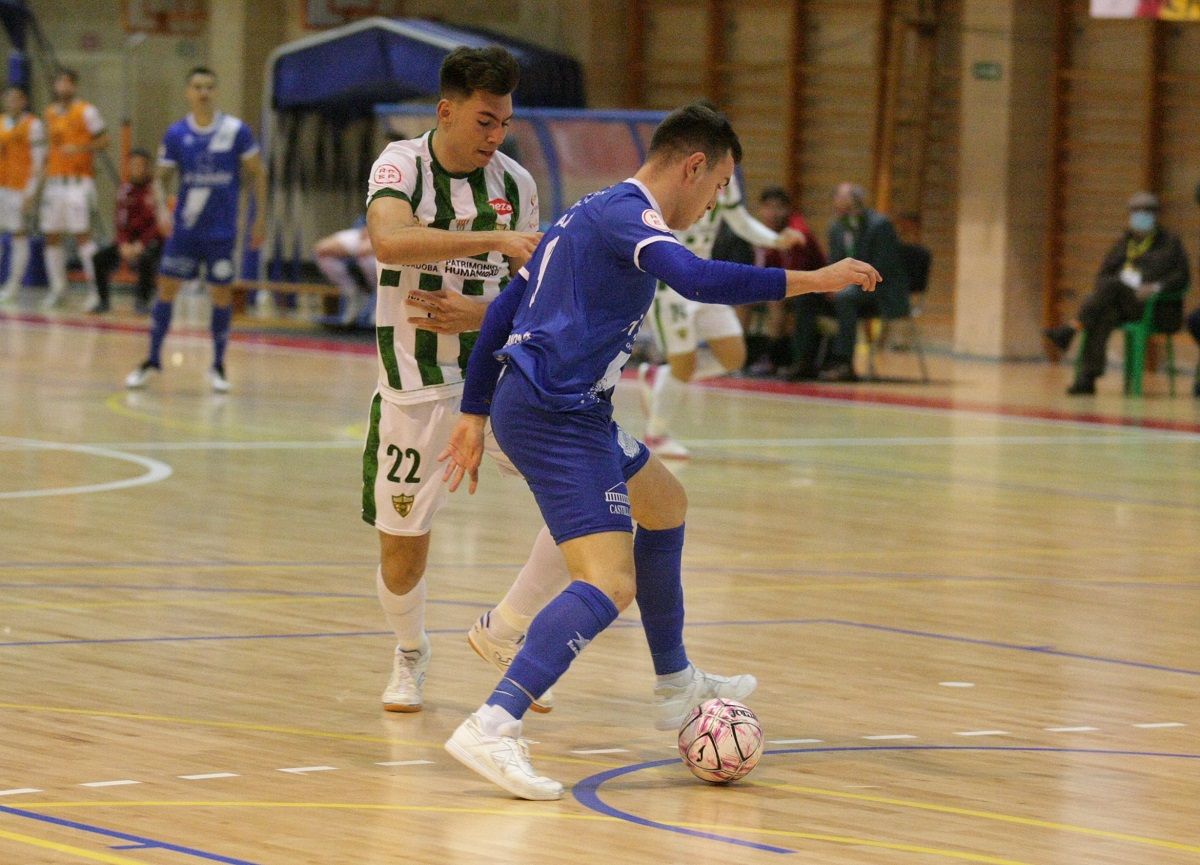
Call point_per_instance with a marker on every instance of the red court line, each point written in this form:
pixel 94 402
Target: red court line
pixel 747 385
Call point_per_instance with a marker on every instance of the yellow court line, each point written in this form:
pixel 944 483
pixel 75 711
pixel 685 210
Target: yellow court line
pixel 990 815
pixel 267 728
pixel 94 856
pixel 114 403
pixel 524 811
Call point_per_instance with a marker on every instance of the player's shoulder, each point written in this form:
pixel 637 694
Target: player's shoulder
pixel 505 164
pixel 629 201
pixel 178 129
pixel 405 152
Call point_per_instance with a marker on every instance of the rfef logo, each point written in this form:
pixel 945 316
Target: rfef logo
pixel 387 174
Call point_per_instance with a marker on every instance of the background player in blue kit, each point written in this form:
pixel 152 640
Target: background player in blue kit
pixel 210 150
pixel 570 320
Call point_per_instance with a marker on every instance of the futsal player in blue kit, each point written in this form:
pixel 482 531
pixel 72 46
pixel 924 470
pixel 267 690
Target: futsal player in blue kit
pixel 211 151
pixel 549 354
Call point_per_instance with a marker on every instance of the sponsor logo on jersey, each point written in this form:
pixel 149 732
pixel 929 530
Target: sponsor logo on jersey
pixel 403 504
pixel 387 173
pixel 501 206
pixel 651 218
pixel 467 268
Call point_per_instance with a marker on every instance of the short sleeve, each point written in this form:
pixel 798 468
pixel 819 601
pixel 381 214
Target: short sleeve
pixel 168 151
pixel 630 224
pixel 531 217
pixel 394 175
pixel 92 119
pixel 243 143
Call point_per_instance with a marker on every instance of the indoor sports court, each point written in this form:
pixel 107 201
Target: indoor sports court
pixel 970 599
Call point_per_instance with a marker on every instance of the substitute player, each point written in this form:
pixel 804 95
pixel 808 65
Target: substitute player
pixel 22 158
pixel 75 131
pixel 210 151
pixel 446 214
pixel 561 334
pixel 680 325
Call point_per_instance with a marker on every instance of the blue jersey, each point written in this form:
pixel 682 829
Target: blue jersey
pixel 586 296
pixel 209 162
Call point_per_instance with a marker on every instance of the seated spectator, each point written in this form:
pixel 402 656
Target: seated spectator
pixel 334 254
pixel 862 233
pixel 139 241
pixel 775 211
pixel 1145 260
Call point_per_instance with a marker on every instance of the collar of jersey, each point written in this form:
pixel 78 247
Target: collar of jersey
pixel 441 168
pixel 204 130
pixel 646 192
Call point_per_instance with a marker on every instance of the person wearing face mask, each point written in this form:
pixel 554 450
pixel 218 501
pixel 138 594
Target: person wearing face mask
pixel 1146 260
pixel 859 232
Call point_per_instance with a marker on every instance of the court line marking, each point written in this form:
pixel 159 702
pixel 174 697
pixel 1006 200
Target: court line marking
pixel 1161 725
pixel 156 470
pixel 208 776
pixel 406 763
pixel 301 770
pixel 600 751
pixel 20 791
pixel 586 792
pixel 124 783
pixel 983 733
pixel 78 852
pixel 1071 729
pixel 122 836
pixel 794 741
pixel 888 736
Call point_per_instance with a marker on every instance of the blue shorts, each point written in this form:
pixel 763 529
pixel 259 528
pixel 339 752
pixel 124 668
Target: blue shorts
pixel 186 251
pixel 576 463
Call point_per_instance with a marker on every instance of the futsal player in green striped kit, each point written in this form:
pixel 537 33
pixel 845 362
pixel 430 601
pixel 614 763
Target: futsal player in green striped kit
pixel 448 216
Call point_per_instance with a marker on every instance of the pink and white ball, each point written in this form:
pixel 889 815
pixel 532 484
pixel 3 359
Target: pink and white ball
pixel 721 741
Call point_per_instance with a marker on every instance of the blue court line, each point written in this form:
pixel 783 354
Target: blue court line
pixel 137 840
pixel 587 791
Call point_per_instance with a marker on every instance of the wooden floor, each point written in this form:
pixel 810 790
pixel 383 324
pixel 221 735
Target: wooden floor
pixel 973 607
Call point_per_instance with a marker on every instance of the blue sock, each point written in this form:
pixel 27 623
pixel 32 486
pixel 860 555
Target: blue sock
pixel 558 633
pixel 221 316
pixel 160 323
pixel 657 556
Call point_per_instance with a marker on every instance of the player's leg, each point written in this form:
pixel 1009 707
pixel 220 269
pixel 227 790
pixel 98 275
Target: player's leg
pixel 845 304
pixel 53 222
pixel 104 262
pixel 402 492
pixel 659 507
pixel 218 267
pixel 673 319
pixel 179 263
pixel 81 201
pixel 147 268
pixel 333 255
pixel 12 220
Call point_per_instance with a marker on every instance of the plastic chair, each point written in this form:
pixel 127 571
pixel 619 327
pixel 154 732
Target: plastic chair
pixel 1137 337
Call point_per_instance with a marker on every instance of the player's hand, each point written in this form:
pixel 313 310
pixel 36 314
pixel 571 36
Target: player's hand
pixel 258 233
pixel 166 225
pixel 790 237
pixel 849 271
pixel 464 452
pixel 518 245
pixel 444 311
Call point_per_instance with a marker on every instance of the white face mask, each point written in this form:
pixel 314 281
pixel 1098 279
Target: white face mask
pixel 1142 221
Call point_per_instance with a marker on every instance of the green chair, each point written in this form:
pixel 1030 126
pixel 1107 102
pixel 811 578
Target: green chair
pixel 1137 337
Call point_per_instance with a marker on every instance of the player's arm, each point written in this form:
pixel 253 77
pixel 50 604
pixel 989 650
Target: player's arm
pixel 252 164
pixel 755 233
pixel 464 451
pixel 728 283
pixel 398 239
pixel 163 173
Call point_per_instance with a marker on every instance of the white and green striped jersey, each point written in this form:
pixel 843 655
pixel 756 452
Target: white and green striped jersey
pixel 417 365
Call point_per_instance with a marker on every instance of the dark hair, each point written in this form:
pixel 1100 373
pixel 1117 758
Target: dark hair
pixel 696 128
pixel 775 193
pixel 492 70
pixel 199 70
pixel 140 151
pixel 69 73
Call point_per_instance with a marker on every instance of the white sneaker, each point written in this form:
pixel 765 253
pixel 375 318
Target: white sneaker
pixel 503 760
pixel 8 293
pixel 216 377
pixel 403 691
pixel 666 448
pixel 93 301
pixel 52 299
pixel 141 375
pixel 673 702
pixel 500 654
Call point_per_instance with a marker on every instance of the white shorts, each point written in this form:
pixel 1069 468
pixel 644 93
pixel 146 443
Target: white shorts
pixel 67 205
pixel 349 239
pixel 12 220
pixel 680 325
pixel 402 479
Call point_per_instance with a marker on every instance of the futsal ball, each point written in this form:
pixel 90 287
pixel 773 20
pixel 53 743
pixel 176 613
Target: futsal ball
pixel 721 741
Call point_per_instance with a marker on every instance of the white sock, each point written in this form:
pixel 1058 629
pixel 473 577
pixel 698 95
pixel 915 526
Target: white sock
pixel 86 251
pixel 405 613
pixel 665 396
pixel 678 679
pixel 56 267
pixel 544 576
pixel 18 261
pixel 496 721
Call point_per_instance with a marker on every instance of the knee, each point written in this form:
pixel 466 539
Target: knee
pixel 622 590
pixel 401 573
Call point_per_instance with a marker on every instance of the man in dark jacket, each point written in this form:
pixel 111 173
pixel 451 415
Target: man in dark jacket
pixel 139 243
pixel 862 233
pixel 1146 260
